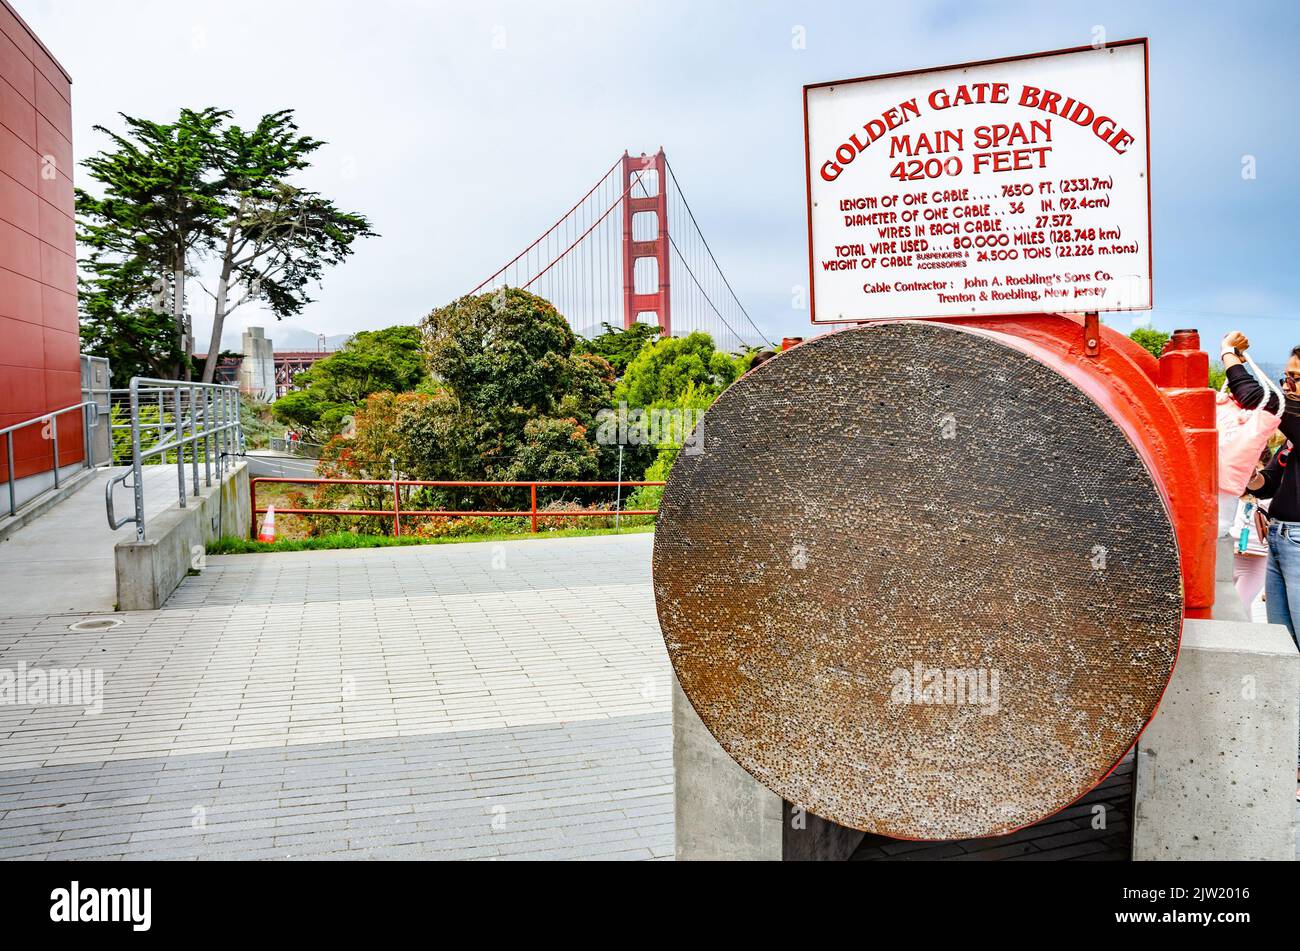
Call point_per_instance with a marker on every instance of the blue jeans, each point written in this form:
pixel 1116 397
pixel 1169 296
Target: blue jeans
pixel 1282 582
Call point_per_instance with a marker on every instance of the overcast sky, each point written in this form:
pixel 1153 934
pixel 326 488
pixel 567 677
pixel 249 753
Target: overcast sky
pixel 464 129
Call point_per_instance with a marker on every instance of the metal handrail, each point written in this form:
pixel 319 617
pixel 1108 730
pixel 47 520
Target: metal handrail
pixel 294 447
pixel 157 396
pixel 396 512
pixel 212 417
pixel 52 417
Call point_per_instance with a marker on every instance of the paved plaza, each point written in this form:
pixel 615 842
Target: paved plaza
pixel 475 701
pixel 450 701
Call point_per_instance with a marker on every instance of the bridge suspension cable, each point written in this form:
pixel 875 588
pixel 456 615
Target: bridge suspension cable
pixel 573 264
pixel 581 262
pixel 708 302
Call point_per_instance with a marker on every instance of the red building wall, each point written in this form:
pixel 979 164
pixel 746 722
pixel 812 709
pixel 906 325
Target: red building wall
pixel 40 367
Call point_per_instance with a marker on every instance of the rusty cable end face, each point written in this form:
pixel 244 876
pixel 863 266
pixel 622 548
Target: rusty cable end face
pixel 917 582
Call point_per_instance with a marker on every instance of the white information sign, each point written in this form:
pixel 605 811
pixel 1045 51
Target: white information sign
pixel 1012 186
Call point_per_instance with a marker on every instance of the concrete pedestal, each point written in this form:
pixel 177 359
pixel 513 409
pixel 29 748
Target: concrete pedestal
pixel 723 813
pixel 1216 766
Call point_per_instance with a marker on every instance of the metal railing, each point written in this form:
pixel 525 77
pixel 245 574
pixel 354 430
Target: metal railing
pixel 396 513
pixel 155 418
pixel 89 416
pixel 204 419
pixel 296 447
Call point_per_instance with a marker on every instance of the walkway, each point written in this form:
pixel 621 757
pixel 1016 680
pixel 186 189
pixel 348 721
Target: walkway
pixel 450 701
pixel 504 700
pixel 62 563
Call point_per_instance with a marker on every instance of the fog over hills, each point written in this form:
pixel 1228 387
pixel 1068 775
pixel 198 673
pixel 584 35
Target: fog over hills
pixel 284 336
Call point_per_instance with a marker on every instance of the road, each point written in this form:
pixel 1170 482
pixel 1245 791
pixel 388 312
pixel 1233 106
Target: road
pixel 266 463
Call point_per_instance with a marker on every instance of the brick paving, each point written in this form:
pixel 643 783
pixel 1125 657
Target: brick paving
pixel 452 701
pixel 455 701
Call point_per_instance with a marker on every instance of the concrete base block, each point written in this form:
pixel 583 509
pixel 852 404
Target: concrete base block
pixel 1216 766
pixel 723 813
pixel 149 571
pixel 809 838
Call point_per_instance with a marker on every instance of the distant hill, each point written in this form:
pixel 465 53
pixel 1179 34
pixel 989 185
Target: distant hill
pixel 285 337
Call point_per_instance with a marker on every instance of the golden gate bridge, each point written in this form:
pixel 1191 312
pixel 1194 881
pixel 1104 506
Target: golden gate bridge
pixel 631 250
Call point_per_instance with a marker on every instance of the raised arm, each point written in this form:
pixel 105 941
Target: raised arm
pixel 1245 389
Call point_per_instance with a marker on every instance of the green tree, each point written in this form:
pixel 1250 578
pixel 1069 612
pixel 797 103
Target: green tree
pixel 502 353
pixel 176 195
pixel 334 388
pixel 554 449
pixel 277 238
pixel 160 206
pixel 618 345
pixel 1150 339
pixel 681 376
pixel 664 370
pixel 591 381
pixel 118 323
pixel 691 404
pixel 517 402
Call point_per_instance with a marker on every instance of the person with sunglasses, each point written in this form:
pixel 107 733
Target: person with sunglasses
pixel 1277 481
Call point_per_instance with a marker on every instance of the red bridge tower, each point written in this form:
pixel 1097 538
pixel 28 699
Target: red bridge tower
pixel 646 194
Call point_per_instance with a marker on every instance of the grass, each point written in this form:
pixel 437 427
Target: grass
pixel 231 545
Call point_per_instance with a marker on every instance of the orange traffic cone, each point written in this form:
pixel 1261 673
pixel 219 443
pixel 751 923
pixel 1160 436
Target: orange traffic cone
pixel 267 531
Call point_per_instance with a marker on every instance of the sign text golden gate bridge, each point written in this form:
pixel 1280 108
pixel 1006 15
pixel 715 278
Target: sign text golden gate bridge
pixel 631 250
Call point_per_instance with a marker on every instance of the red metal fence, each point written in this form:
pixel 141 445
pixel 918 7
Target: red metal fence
pixel 397 512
